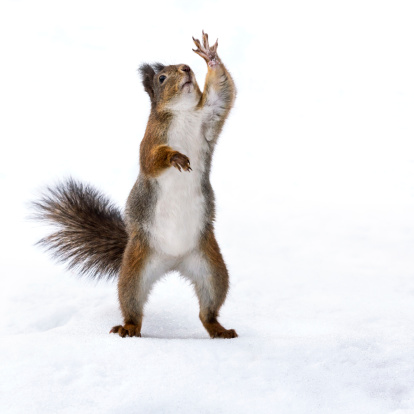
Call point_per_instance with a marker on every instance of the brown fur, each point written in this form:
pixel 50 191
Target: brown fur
pixel 154 151
pixel 160 157
pixel 155 154
pixel 220 285
pixel 135 257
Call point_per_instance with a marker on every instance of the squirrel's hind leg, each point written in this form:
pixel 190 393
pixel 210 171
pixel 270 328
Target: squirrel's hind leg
pixel 139 271
pixel 206 269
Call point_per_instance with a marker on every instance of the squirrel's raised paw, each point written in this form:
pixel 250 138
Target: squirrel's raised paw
pixel 126 330
pixel 179 161
pixel 209 54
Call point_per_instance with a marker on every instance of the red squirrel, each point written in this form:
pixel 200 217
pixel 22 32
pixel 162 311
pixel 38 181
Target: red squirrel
pixel 168 222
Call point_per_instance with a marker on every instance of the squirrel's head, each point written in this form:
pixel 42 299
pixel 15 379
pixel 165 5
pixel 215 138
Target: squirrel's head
pixel 170 87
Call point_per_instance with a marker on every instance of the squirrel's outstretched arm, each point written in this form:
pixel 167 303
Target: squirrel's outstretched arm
pixel 219 89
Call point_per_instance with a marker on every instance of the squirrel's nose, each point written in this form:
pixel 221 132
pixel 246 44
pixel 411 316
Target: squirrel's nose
pixel 185 68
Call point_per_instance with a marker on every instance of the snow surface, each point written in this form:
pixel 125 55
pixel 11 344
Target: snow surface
pixel 314 178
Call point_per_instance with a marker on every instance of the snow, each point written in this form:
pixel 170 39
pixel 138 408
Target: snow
pixel 314 179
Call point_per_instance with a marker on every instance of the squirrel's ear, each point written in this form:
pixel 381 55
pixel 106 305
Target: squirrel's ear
pixel 158 67
pixel 147 76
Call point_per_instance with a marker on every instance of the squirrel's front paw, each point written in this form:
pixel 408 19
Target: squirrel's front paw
pixel 126 330
pixel 179 161
pixel 209 54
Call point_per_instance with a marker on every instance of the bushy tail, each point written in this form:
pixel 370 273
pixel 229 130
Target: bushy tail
pixel 91 235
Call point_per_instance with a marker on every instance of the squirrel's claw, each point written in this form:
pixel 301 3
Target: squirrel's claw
pixel 214 47
pixel 127 330
pixel 203 55
pixel 180 161
pixel 205 40
pixel 197 43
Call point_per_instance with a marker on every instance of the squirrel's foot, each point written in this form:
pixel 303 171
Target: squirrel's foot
pixel 179 161
pixel 214 328
pixel 225 333
pixel 126 330
pixel 209 54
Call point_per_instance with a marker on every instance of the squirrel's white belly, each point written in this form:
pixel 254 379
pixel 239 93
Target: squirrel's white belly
pixel 179 211
pixel 180 208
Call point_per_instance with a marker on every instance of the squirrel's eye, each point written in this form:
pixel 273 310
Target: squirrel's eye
pixel 162 78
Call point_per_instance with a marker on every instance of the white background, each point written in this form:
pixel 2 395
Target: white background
pixel 314 179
